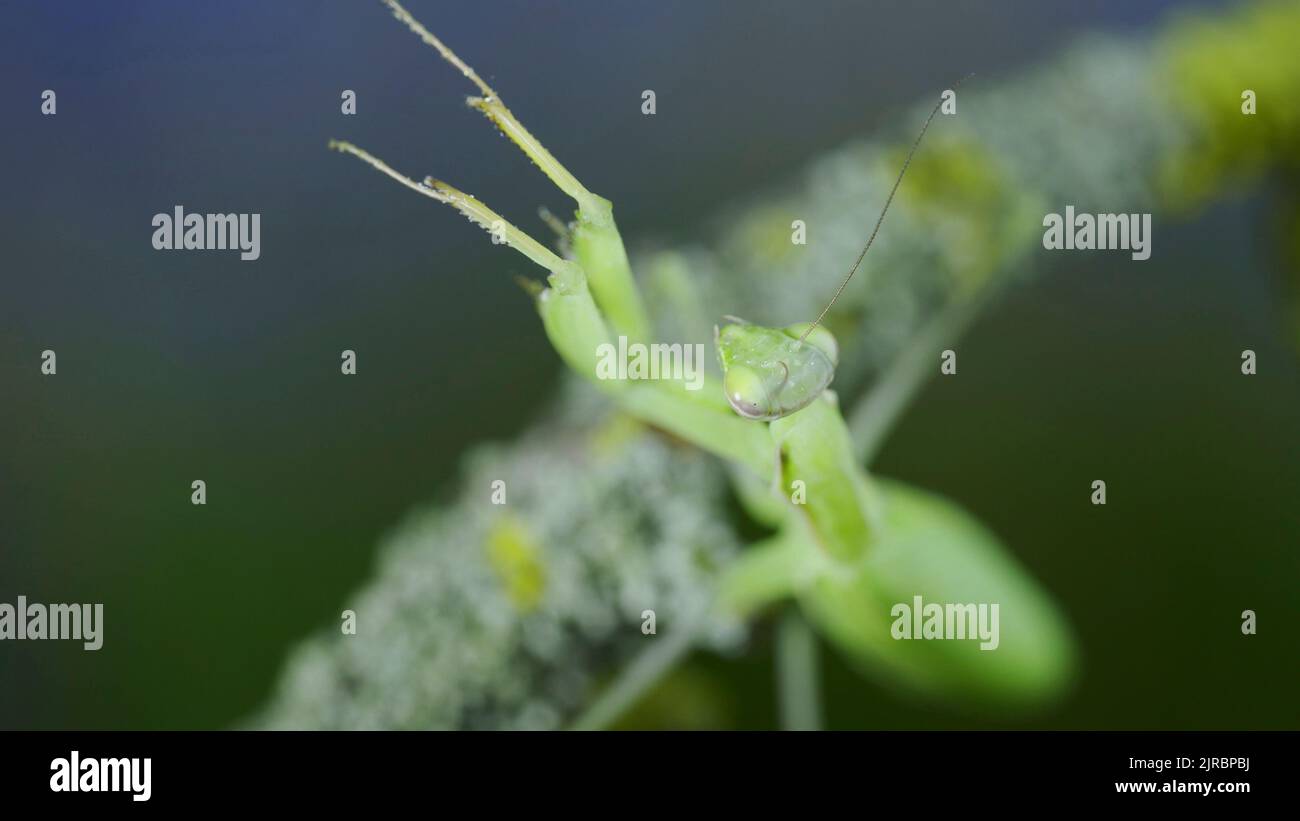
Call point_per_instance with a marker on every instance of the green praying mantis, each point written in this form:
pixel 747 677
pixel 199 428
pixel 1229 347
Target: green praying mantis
pixel 854 545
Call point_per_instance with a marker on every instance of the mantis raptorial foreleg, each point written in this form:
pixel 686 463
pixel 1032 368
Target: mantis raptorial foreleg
pixel 592 295
pixel 596 241
pixel 479 213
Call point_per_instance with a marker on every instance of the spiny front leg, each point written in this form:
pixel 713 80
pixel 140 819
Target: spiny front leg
pixel 568 273
pixel 597 244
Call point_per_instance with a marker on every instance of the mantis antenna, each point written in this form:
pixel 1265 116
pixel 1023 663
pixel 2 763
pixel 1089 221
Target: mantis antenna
pixel 911 153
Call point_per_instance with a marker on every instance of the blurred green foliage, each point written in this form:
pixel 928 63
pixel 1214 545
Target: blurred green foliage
pixel 1208 64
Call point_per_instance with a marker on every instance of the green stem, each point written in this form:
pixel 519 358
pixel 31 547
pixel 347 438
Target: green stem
pixel 797 677
pixel 644 671
pixel 875 416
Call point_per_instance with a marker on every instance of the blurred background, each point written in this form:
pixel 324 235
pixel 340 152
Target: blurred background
pixel 179 366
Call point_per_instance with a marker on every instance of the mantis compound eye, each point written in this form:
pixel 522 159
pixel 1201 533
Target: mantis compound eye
pixel 746 392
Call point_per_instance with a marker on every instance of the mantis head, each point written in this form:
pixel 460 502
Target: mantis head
pixel 773 372
pixel 768 373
